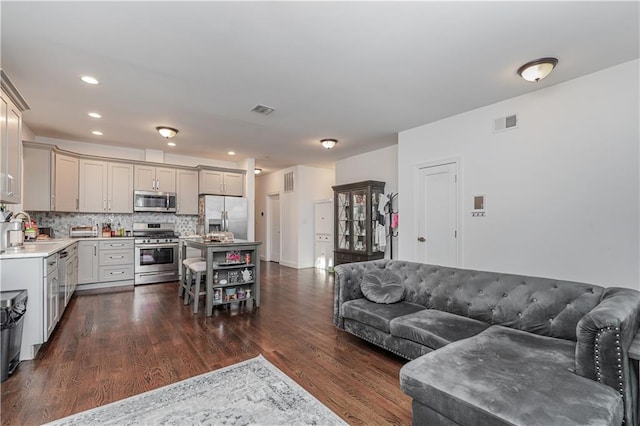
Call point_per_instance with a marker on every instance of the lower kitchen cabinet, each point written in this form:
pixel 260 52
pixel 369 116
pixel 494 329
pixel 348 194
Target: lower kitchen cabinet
pixel 46 293
pixel 105 263
pixel 87 262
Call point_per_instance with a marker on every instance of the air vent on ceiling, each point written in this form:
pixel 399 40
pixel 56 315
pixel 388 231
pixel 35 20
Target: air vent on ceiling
pixel 262 109
pixel 288 182
pixel 505 123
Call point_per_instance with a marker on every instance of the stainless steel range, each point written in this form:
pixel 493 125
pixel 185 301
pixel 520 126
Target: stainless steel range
pixel 156 252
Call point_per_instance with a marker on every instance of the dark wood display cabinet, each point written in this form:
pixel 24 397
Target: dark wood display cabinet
pixel 356 220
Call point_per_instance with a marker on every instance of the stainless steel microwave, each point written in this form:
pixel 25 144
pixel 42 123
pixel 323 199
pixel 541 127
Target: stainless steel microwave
pixel 151 201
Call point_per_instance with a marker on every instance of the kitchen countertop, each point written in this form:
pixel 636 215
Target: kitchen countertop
pixel 45 248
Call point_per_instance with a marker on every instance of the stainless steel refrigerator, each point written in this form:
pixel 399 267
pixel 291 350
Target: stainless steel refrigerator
pixel 220 213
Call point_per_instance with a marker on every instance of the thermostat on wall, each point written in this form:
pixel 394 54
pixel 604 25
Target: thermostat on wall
pixel 479 206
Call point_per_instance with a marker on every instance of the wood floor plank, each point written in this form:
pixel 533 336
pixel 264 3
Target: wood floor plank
pixel 115 343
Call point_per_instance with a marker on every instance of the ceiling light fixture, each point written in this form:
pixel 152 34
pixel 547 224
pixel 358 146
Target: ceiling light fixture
pixel 257 171
pixel 329 143
pixel 97 132
pixel 167 132
pixel 94 115
pixel 535 71
pixel 89 80
pixel 231 153
pixel 171 143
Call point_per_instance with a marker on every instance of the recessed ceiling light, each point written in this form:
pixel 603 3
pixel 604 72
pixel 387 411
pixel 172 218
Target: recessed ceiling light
pixel 231 153
pixel 171 143
pixel 97 132
pixel 94 115
pixel 89 80
pixel 257 171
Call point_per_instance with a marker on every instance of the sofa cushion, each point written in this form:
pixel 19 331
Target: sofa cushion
pixel 382 286
pixel 434 328
pixel 506 376
pixel 377 315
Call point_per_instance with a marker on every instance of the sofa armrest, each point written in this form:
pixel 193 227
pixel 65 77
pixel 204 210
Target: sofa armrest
pixel 347 284
pixel 604 336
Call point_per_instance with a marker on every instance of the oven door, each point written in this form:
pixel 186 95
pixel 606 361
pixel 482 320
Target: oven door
pixel 156 257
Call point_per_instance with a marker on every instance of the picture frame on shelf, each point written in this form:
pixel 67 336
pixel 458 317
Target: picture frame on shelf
pixel 232 277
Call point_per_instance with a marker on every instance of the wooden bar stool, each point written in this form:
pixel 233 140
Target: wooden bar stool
pixel 185 283
pixel 193 290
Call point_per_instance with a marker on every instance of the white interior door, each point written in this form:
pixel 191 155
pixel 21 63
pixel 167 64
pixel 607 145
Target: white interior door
pixel 437 242
pixel 323 234
pixel 274 228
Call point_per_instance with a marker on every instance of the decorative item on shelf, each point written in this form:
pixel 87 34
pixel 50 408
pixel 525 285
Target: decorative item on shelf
pixel 246 275
pixel 232 276
pixel 223 282
pixel 247 293
pixel 233 257
pixel 241 294
pixel 247 258
pixel 217 294
pixel 230 294
pixel 215 278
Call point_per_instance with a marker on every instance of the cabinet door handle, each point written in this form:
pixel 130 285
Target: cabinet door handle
pixel 153 184
pixel 158 184
pixel 115 245
pixel 109 205
pixel 104 205
pixel 77 203
pixel 422 239
pixel 116 257
pixel 95 250
pixel 116 273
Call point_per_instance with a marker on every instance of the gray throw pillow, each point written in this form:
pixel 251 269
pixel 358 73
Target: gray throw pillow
pixel 382 286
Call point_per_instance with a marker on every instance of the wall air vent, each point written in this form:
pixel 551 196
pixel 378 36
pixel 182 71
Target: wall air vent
pixel 263 109
pixel 505 123
pixel 288 182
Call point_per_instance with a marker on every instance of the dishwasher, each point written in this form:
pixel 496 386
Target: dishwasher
pixel 65 277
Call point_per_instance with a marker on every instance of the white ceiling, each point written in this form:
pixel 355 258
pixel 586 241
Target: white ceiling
pixel 357 71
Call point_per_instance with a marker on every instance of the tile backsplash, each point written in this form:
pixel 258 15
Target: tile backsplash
pixel 61 222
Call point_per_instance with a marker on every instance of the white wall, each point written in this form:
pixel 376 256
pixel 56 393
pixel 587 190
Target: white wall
pixel 296 211
pixel 381 165
pixel 563 189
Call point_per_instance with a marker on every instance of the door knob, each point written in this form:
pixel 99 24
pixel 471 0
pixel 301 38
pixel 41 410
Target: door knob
pixel 422 239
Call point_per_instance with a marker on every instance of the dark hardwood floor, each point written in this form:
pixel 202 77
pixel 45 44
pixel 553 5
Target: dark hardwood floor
pixel 112 344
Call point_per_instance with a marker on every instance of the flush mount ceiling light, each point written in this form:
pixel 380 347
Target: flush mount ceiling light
pixel 231 153
pixel 171 143
pixel 89 80
pixel 329 143
pixel 537 70
pixel 167 132
pixel 97 133
pixel 257 171
pixel 94 115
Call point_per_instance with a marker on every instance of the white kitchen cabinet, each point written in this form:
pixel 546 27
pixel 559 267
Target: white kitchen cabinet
pixel 65 195
pixel 216 182
pixel 52 289
pixel 149 178
pixel 87 262
pixel 106 260
pixel 187 192
pixel 38 162
pixel 105 187
pixel 12 104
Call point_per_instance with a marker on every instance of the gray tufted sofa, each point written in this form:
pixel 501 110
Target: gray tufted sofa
pixel 490 348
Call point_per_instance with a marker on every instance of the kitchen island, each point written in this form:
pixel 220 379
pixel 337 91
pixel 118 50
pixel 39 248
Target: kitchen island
pixel 233 271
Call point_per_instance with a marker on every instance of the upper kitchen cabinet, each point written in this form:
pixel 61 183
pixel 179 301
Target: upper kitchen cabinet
pixel 65 196
pixel 50 179
pixel 38 177
pixel 187 193
pixel 216 182
pixel 106 187
pixel 149 178
pixel 11 107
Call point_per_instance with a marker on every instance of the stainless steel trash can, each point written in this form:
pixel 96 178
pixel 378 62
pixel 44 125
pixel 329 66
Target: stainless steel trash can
pixel 13 305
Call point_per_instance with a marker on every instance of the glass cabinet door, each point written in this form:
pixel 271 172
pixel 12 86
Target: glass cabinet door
pixel 344 224
pixel 359 202
pixel 376 199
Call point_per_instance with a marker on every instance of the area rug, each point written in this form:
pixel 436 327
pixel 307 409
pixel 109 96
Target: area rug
pixel 252 392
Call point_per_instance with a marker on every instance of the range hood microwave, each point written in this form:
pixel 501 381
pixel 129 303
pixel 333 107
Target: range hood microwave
pixel 151 201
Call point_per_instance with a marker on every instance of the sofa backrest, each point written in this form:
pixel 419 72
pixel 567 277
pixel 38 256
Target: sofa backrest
pixel 537 305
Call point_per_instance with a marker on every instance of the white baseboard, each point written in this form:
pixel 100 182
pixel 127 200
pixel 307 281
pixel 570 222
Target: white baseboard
pixel 93 286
